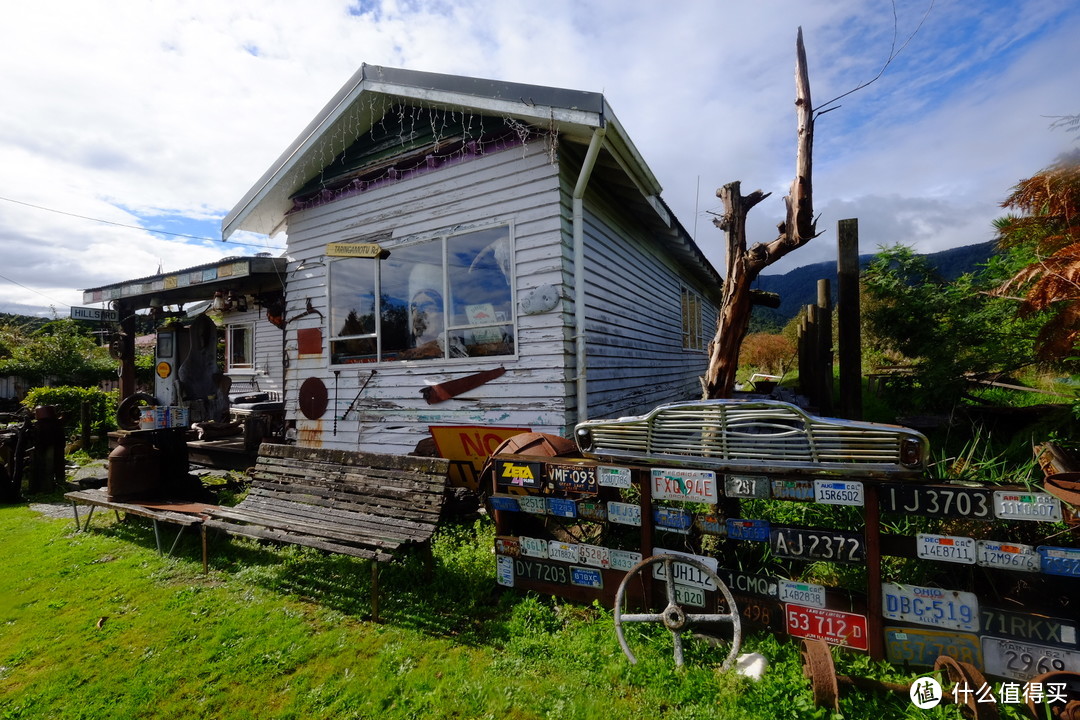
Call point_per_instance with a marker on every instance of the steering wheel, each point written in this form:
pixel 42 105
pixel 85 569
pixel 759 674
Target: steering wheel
pixel 674 617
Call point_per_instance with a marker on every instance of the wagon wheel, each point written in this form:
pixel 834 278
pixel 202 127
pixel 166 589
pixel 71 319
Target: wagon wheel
pixel 818 666
pixel 673 616
pixel 961 672
pixel 1071 709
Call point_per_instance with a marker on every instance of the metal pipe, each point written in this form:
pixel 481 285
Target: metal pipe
pixel 579 272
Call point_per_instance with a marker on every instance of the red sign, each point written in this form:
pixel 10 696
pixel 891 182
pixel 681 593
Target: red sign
pixel 834 627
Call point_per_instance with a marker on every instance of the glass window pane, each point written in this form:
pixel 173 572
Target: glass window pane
pixel 352 310
pixel 479 271
pixel 412 303
pixel 239 346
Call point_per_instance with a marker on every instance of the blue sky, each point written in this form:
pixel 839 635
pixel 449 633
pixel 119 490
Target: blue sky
pixel 162 115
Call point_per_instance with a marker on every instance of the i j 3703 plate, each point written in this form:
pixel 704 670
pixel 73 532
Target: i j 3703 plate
pixel 937 501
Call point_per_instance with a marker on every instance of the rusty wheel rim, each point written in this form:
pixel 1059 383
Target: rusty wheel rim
pixel 818 666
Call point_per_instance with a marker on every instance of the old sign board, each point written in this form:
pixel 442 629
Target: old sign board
pixel 95 314
pixel 833 626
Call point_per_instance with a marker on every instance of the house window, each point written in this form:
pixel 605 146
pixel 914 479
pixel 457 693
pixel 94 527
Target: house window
pixel 437 299
pixel 693 329
pixel 239 351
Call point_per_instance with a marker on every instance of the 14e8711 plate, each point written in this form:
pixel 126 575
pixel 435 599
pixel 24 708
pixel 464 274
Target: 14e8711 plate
pixel 805 544
pixel 938 501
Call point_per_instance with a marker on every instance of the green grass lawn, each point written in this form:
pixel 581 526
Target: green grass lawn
pixel 97 625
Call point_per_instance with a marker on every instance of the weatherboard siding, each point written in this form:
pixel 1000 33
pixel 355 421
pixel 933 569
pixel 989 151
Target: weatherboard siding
pixel 636 358
pixel 519 187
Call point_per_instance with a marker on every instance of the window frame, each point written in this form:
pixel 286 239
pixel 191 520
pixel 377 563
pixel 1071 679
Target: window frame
pixel 443 238
pixel 692 310
pixel 248 328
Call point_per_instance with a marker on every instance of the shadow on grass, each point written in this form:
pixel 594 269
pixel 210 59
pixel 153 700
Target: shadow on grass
pixel 457 598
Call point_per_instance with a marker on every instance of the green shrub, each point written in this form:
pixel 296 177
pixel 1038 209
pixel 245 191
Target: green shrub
pixel 69 399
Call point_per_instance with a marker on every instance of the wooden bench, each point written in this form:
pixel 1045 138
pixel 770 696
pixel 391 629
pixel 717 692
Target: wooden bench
pixel 367 505
pixel 182 513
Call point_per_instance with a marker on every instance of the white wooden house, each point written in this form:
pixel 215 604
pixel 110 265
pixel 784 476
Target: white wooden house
pixel 444 228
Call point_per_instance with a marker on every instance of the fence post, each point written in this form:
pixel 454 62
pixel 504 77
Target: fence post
pixel 849 333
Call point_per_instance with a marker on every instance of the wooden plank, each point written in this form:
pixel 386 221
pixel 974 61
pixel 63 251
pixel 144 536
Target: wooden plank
pixel 274 520
pixel 262 533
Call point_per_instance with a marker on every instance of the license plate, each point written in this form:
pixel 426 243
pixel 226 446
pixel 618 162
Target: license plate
pixel 945 548
pixel 1018 505
pixel 575 478
pixel 534 504
pixel 674 519
pixel 746 486
pixel 594 556
pixel 563 552
pixel 710 524
pixel 519 474
pixel 533 547
pixel 592 510
pixel 800 593
pixel 685 485
pixel 832 545
pixel 683 573
pixel 586 577
pixel 761 612
pixel 504 570
pixel 937 501
pixel 1023 661
pixel 936 607
pixel 760 585
pixel 613 477
pixel 1010 556
pixel 916 646
pixel 799 490
pixel 624 513
pixel 1059 560
pixel 685 595
pixel 838 492
pixel 504 503
pixel 834 627
pixel 624 560
pixel 561 507
pixel 508 546
pixel 539 571
pixel 739 529
pixel 1041 629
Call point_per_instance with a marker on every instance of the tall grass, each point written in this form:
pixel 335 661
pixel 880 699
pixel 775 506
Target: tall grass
pixel 97 625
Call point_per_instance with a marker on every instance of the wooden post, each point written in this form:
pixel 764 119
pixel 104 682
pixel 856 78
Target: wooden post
pixel 374 590
pixel 872 528
pixel 127 350
pixel 84 422
pixel 849 335
pixel 824 347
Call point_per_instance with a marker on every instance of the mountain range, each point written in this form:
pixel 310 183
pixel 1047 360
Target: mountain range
pixel 798 288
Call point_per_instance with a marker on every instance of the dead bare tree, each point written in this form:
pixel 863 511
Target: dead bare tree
pixel 744 265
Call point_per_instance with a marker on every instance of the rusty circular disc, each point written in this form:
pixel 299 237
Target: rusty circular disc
pixel 1070 710
pixel 818 666
pixel 961 672
pixel 313 398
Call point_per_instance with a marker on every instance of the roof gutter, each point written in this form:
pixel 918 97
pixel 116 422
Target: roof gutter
pixel 587 166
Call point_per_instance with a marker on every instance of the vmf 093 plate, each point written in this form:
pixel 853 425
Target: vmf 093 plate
pixel 918 646
pixel 575 478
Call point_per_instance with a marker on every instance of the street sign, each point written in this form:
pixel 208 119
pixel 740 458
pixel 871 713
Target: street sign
pixel 95 314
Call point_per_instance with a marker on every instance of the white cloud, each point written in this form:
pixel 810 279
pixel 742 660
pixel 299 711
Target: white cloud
pixel 138 113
